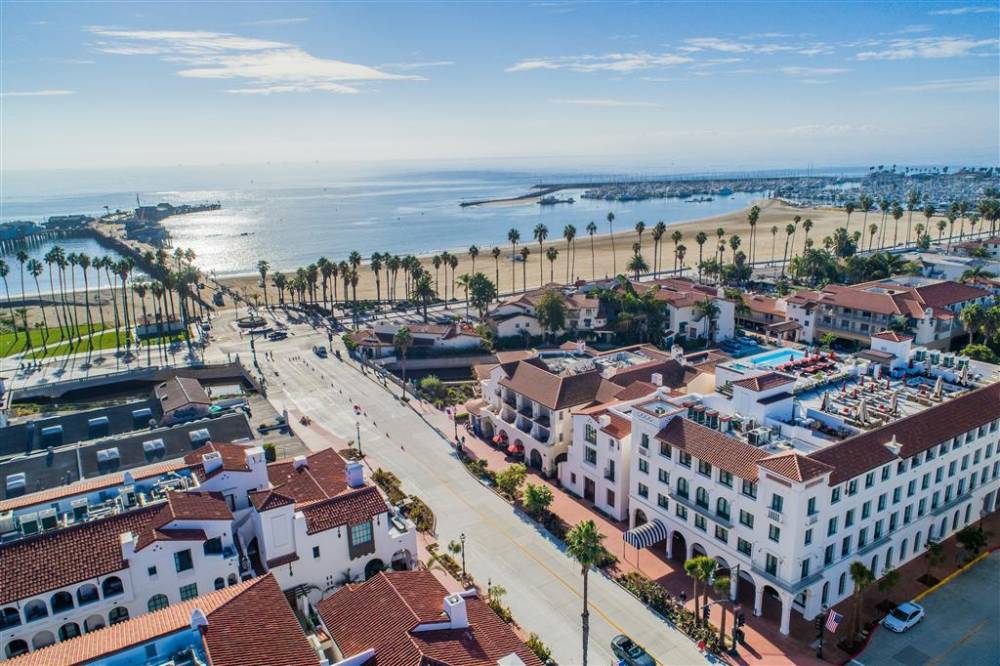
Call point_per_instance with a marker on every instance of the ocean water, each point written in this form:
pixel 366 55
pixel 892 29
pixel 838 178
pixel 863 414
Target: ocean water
pixel 291 218
pixel 87 246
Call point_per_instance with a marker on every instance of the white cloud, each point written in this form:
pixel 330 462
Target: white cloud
pixel 38 93
pixel 930 48
pixel 974 84
pixel 609 103
pixel 957 11
pixel 812 72
pixel 607 62
pixel 696 44
pixel 267 67
pixel 406 66
pixel 277 21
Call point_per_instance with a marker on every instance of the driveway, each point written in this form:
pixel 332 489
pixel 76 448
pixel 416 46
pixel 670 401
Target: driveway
pixel 544 586
pixel 960 626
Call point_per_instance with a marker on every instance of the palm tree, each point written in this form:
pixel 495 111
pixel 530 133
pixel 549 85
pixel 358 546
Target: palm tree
pixel 952 216
pixel 720 233
pixel 140 290
pixel 709 309
pixel 789 231
pixel 795 221
pixel 658 231
pixel 897 215
pixel 35 269
pixel 453 264
pixel 569 233
pixel 614 257
pixel 403 340
pixel 552 253
pixel 807 226
pixel 700 239
pixel 473 253
pixel 752 216
pixel 541 233
pixel 4 271
pixel 865 204
pixel 698 569
pixel 525 253
pixel 679 253
pixel 774 237
pixel 263 267
pixel 848 208
pixel 583 544
pixel 514 236
pixel 941 226
pixel 885 205
pixel 495 253
pixel 84 261
pixel 98 265
pixel 862 578
pixel 721 585
pixel 376 265
pixel 973 318
pixel 280 282
pixel 929 212
pixel 912 199
pixel 872 231
pixel 676 238
pixel 963 210
pixel 637 265
pixel 591 230
pixel 22 258
pixel 640 227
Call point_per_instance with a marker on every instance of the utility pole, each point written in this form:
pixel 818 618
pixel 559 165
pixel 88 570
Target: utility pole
pixel 461 538
pixel 357 430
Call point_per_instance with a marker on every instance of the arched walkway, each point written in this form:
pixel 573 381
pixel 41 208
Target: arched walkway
pixel 15 648
pixel 93 623
pixel 42 639
pixel 677 547
pixel 535 460
pixel 373 567
pixel 640 518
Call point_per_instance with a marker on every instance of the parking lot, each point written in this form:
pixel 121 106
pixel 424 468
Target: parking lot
pixel 960 626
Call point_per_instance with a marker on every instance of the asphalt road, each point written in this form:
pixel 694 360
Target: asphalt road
pixel 544 585
pixel 960 626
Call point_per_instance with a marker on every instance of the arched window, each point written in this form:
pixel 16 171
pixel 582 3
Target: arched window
pixel 43 639
pixel 701 497
pixel 888 559
pixel 968 512
pixel 232 579
pixel 35 609
pixel 944 527
pixel 917 544
pixel 220 583
pixel 16 648
pixel 117 614
pixel 954 519
pixel 61 601
pixel 826 593
pixel 112 586
pixel 93 623
pixel 10 617
pixel 68 631
pixel 157 602
pixel 87 594
pixel 722 507
pixel 874 567
pixel 902 550
pixel 841 583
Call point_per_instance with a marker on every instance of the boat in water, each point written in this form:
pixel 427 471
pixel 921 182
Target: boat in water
pixel 552 201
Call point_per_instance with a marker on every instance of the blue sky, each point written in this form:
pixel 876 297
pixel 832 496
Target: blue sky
pixel 633 85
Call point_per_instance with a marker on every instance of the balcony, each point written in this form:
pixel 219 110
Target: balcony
pixel 510 401
pixel 700 509
pixel 508 416
pixel 541 434
pixel 525 410
pixel 523 424
pixel 958 499
pixel 543 419
pixel 775 516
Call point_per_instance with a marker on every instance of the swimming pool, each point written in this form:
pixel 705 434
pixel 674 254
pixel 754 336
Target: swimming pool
pixel 773 358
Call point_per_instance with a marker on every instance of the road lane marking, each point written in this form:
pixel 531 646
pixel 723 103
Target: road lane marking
pixel 961 641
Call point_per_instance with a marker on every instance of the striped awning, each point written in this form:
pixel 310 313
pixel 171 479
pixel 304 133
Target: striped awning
pixel 646 535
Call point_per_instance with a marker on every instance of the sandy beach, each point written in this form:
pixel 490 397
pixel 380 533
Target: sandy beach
pixel 773 213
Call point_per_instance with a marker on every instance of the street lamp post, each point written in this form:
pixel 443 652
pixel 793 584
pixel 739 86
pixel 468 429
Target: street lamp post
pixel 819 631
pixel 357 430
pixel 461 538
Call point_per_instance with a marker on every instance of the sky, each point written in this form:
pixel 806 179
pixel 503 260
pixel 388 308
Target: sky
pixel 576 85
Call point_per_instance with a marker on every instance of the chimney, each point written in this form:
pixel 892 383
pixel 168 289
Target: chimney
pixel 198 619
pixel 657 379
pixel 454 607
pixel 677 353
pixel 581 347
pixel 211 461
pixel 604 420
pixel 254 456
pixel 127 541
pixel 298 462
pixel 355 475
pixel 128 479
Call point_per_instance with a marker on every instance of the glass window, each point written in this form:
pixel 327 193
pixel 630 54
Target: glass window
pixel 811 506
pixel 722 508
pixel 809 536
pixel 845 546
pixel 805 569
pixel 189 591
pixel 746 518
pixel 831 527
pixel 643 466
pixel 157 602
pixel 721 533
pixel 862 537
pixel 664 476
pixel 315 552
pixel 213 546
pixel 701 498
pixel 852 487
pixel 699 522
pixel 849 518
pixel 183 561
pixel 704 468
pixel 869 479
pixel 749 489
pixel 590 433
pixel 771 564
pixel 725 478
pixel 681 511
pixel 885 473
pixel 743 546
pixel 866 510
pixel 897 494
pixel 590 456
pixel 361 533
pixel 685 459
pixel 643 490
pixel 682 487
pixel 644 442
pixel 777 502
pixel 665 450
pixel 661 500
pixel 881 502
pixel 774 533
pixel 835 496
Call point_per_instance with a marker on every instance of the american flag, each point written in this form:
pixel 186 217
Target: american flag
pixel 833 621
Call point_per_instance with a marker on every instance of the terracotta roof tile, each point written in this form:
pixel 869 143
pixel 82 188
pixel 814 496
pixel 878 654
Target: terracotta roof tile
pixel 558 391
pixel 914 434
pixel 795 466
pixel 727 453
pixel 234 456
pixel 225 639
pixel 346 509
pixel 382 613
pixel 893 336
pixel 183 506
pixel 323 476
pixel 764 382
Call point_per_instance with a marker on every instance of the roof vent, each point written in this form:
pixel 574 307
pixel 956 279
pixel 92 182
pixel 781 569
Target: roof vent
pixel 894 445
pixel 657 379
pixel 16 483
pixel 211 461
pixel 454 607
pixel 604 420
pixel 153 446
pixel 108 455
pixel 299 462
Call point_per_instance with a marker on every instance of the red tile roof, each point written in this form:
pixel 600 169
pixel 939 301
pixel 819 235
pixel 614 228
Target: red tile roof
pixel 914 434
pixel 183 506
pixel 382 613
pixel 323 476
pixel 764 382
pixel 893 336
pixel 795 466
pixel 234 456
pixel 727 453
pixel 225 640
pixel 346 509
pixel 558 391
pixel 180 391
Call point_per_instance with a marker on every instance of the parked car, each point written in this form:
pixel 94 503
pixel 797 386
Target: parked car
pixel 903 616
pixel 277 335
pixel 625 649
pixel 320 351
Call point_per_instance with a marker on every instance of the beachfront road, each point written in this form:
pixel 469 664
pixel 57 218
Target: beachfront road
pixel 544 586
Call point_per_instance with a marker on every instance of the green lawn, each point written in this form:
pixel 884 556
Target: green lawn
pixel 101 342
pixel 9 346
